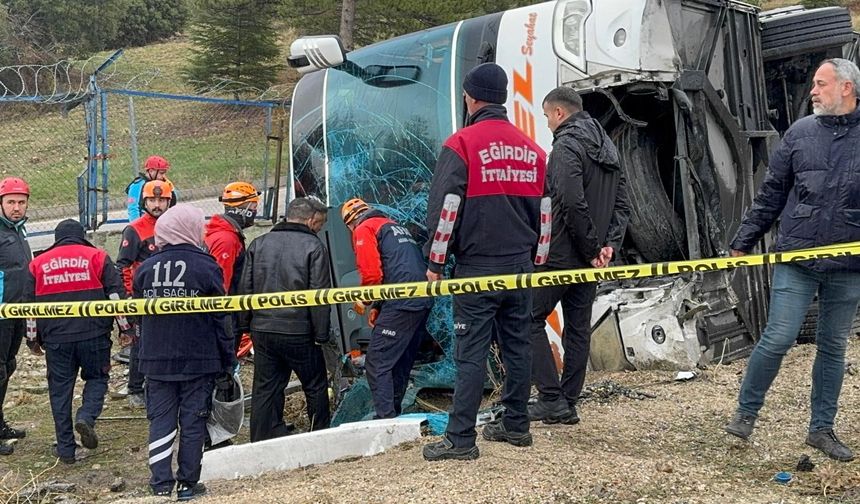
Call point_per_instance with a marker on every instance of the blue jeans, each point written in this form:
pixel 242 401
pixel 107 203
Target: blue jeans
pixel 794 288
pixel 91 358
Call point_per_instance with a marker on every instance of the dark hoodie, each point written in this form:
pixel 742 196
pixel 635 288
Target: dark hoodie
pixel 589 198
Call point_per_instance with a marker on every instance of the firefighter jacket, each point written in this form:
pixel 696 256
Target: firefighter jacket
pixel 74 270
pixel 138 243
pixel 385 252
pixel 226 244
pixel 489 204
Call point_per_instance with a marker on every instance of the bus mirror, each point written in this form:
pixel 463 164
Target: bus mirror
pixel 309 54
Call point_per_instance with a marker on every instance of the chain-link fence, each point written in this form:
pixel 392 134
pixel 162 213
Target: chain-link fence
pixel 208 142
pixel 80 132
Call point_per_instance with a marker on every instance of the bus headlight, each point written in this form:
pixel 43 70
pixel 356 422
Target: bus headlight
pixel 569 30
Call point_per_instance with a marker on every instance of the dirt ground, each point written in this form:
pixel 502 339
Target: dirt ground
pixel 669 448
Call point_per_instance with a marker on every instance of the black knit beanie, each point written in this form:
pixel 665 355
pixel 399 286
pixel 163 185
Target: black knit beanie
pixel 487 82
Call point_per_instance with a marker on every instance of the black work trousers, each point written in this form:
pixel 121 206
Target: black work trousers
pixel 91 358
pixel 393 346
pixel 11 334
pixel 476 316
pixel 276 356
pixel 576 301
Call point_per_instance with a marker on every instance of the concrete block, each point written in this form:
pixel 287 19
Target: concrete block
pixel 357 439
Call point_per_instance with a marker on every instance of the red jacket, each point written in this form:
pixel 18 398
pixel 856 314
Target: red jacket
pixel 226 244
pixel 138 243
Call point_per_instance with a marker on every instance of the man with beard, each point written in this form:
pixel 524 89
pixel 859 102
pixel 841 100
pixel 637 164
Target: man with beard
pixel 138 243
pixel 15 287
pixel 812 186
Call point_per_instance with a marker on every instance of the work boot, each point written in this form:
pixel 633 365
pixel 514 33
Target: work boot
pixel 65 460
pixel 135 401
pixel 186 492
pixel 742 425
pixel 445 450
pixel 7 432
pixel 496 431
pixel 89 439
pixel 553 412
pixel 6 449
pixel 826 441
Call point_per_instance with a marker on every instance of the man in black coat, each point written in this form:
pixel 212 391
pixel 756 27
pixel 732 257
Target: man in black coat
pixel 15 287
pixel 290 257
pixel 589 217
pixel 813 186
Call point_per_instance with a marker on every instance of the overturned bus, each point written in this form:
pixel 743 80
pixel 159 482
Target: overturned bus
pixel 695 94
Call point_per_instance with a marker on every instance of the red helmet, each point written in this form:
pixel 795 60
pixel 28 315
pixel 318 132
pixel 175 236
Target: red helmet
pixel 14 185
pixel 156 163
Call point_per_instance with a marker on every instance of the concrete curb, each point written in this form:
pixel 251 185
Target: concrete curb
pixel 357 439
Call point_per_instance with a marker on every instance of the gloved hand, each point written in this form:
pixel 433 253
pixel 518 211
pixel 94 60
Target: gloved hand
pixel 128 336
pixel 35 346
pixel 359 307
pixel 371 319
pixel 34 339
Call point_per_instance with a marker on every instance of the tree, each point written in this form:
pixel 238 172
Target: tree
pixel 235 46
pixel 148 21
pixel 73 27
pixel 347 24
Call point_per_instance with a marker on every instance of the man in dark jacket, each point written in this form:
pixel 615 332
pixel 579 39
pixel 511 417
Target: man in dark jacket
pixel 74 270
pixel 289 257
pixel 138 243
pixel 15 287
pixel 589 216
pixel 489 206
pixel 385 252
pixel 812 186
pixel 181 355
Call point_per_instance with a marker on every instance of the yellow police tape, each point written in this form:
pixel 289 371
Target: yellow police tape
pixel 164 306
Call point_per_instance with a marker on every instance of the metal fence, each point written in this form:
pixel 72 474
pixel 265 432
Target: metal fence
pixel 79 145
pixel 209 142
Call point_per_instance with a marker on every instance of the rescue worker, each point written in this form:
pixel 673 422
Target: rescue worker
pixel 385 252
pixel 154 168
pixel 181 355
pixel 75 270
pixel 138 243
pixel 289 257
pixel 590 215
pixel 224 237
pixel 489 207
pixel 15 287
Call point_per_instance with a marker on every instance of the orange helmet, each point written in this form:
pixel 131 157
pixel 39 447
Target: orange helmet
pixel 238 193
pixel 156 163
pixel 157 189
pixel 14 185
pixel 352 209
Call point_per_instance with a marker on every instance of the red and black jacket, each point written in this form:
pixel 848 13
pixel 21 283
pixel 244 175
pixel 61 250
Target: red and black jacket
pixel 226 245
pixel 489 202
pixel 74 270
pixel 385 252
pixel 138 243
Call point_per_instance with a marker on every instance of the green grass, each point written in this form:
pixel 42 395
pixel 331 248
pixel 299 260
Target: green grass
pixel 207 145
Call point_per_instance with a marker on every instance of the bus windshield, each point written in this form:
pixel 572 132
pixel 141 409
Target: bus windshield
pixel 374 126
